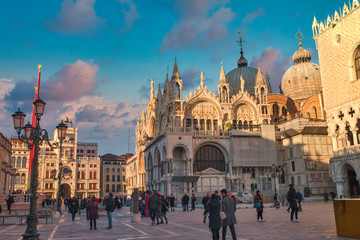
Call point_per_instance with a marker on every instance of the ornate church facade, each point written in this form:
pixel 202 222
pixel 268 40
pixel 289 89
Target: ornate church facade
pixel 338 44
pixel 231 138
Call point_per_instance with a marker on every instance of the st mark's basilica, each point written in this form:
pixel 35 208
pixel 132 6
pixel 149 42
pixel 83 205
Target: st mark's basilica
pixel 233 137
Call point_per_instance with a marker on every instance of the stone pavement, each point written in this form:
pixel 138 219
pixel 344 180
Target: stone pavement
pixel 316 222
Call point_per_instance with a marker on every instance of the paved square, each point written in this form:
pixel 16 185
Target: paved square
pixel 316 222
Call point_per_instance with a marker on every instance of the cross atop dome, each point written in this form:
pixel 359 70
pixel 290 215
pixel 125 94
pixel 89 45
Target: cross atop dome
pixel 241 42
pixel 242 62
pixel 299 36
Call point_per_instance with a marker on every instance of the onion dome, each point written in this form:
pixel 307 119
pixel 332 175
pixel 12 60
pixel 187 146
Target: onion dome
pixel 303 79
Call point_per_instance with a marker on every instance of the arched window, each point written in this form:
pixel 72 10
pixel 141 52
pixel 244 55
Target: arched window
pixel 24 162
pixel 17 178
pixel 22 181
pixel 284 111
pixel 357 62
pixel 13 161
pixel 94 174
pixel 47 174
pixel 202 124
pixel 275 109
pixel 195 124
pixel 78 175
pixel 209 156
pixel 83 175
pixel 18 162
pixel 315 112
pixel 208 125
pixel 91 174
pixel 246 125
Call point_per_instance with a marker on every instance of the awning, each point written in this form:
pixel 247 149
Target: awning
pixel 185 178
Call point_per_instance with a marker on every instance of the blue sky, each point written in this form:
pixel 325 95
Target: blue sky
pixel 98 56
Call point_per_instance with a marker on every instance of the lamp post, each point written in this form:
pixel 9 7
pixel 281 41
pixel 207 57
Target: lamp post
pixel 33 137
pixel 274 173
pixel 62 127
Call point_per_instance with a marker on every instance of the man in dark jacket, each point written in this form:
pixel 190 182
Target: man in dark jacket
pixel 74 207
pixel 9 201
pixel 152 205
pixel 291 198
pixel 159 209
pixel 172 202
pixel 204 202
pixel 185 201
pixel 228 206
pixel 110 207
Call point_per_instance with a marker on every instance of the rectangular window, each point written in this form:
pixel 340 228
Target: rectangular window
pixel 107 178
pixel 113 178
pixel 92 151
pixel 291 153
pixel 118 178
pixel 118 188
pixel 113 170
pixel 118 170
pixel 107 169
pixel 83 186
pixel 293 166
pixel 123 178
pixel 88 151
pixel 51 186
pixel 90 185
pixel 46 185
pixel 107 188
pixel 113 187
pixel 94 185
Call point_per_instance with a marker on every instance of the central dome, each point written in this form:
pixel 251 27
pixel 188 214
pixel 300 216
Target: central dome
pixel 249 75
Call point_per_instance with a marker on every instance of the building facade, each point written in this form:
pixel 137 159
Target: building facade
pixel 80 173
pixel 230 138
pixel 113 174
pixel 338 45
pixel 7 170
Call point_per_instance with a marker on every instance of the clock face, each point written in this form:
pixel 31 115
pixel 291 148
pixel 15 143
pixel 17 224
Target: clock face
pixel 67 170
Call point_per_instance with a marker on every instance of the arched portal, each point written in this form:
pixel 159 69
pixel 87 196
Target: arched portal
pixel 209 156
pixel 353 183
pixel 179 161
pixel 65 190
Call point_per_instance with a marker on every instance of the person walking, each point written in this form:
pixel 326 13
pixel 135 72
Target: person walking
pixel 92 210
pixel 276 201
pixel 109 208
pixel 74 207
pixel 291 198
pixel 193 202
pixel 204 202
pixel 152 205
pixel 299 197
pixel 9 201
pixel 259 205
pixel 185 202
pixel 172 202
pixel 228 207
pixel 159 209
pixel 165 208
pixel 326 197
pixel 213 209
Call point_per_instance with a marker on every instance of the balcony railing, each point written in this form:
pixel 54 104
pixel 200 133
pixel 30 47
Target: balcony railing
pixel 347 151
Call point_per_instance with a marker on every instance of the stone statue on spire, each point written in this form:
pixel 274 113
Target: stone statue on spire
pixel 242 81
pixel 202 79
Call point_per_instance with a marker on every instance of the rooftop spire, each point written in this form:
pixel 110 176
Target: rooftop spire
pixel 152 91
pixel 222 78
pixel 176 74
pixel 259 77
pixel 242 62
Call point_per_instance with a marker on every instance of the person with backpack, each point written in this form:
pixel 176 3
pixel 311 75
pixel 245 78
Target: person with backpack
pixel 109 208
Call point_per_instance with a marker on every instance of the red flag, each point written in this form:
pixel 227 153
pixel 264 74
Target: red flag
pixel 33 123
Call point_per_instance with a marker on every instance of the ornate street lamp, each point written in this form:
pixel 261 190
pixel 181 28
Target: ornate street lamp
pixel 61 131
pixel 275 172
pixel 33 137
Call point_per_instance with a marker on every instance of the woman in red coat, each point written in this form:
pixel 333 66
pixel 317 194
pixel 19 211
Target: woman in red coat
pixel 93 213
